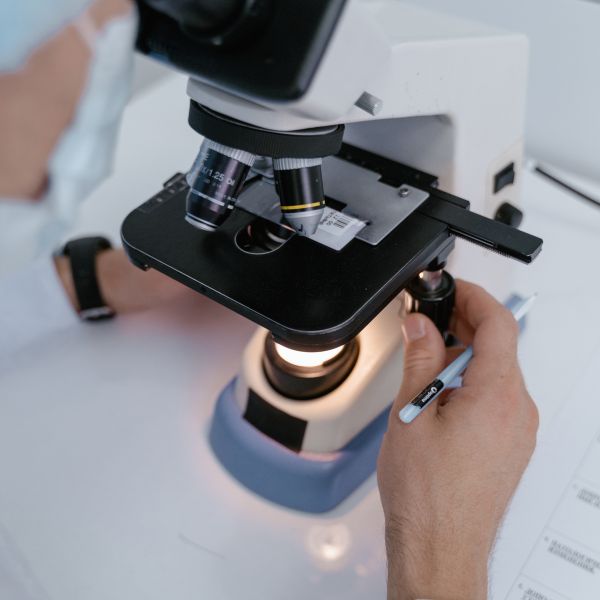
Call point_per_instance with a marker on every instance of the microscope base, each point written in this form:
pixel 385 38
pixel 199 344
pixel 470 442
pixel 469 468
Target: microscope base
pixel 306 482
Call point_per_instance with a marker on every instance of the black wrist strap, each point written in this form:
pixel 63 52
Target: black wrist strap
pixel 82 256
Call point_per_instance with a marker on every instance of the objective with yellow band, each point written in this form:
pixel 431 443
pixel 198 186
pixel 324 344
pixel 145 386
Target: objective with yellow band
pixel 298 180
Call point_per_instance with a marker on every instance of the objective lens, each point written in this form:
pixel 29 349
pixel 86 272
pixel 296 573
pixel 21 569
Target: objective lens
pixel 215 179
pixel 299 184
pixel 307 375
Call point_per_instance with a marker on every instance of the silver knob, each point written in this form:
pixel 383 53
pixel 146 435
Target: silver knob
pixel 369 103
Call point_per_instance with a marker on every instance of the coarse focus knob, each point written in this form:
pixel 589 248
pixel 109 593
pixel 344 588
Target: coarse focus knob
pixel 435 302
pixel 509 215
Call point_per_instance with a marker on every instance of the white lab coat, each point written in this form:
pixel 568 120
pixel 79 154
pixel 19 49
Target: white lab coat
pixel 33 304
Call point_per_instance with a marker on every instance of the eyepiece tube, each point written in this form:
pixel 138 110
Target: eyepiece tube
pixel 299 184
pixel 215 179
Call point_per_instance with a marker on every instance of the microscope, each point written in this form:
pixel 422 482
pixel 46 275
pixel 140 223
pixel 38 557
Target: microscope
pixel 338 142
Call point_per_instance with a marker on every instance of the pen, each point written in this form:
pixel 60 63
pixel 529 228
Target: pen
pixel 519 307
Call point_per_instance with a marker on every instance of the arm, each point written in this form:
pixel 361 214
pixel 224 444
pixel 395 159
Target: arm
pixel 40 299
pixel 125 288
pixel 447 478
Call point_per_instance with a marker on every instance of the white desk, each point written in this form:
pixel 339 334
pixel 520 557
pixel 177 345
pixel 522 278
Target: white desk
pixel 108 486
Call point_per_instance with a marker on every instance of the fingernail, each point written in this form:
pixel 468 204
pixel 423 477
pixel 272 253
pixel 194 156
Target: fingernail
pixel 413 328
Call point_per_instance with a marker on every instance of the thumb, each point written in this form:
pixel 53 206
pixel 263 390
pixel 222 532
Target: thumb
pixel 424 357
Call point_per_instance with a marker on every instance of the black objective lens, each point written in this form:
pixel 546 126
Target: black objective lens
pixel 215 179
pixel 299 185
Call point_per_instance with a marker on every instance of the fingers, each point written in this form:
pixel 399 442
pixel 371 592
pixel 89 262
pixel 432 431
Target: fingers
pixel 453 353
pixel 479 319
pixel 461 329
pixel 492 330
pixel 424 358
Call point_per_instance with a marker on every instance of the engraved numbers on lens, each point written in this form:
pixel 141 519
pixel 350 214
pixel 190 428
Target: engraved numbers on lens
pixel 215 179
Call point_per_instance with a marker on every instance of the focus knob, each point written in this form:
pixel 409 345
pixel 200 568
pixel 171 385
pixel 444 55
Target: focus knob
pixel 509 215
pixel 432 294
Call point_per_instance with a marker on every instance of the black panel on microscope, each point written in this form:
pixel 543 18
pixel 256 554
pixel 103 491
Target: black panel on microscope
pixel 308 295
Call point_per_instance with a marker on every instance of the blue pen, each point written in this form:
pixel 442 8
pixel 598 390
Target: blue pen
pixel 408 414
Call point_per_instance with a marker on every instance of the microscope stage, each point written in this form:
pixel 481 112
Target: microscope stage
pixel 307 294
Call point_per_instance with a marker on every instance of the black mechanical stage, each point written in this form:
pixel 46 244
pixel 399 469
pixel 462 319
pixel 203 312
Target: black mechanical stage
pixel 308 295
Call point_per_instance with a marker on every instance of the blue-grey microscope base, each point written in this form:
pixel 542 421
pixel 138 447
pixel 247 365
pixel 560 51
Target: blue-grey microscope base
pixel 308 484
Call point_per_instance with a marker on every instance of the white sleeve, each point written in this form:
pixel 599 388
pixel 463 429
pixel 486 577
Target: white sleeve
pixel 33 304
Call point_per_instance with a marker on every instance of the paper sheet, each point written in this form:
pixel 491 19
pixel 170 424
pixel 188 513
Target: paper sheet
pixel 551 538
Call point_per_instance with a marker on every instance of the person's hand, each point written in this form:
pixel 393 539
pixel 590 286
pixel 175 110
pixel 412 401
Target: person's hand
pixel 125 288
pixel 446 479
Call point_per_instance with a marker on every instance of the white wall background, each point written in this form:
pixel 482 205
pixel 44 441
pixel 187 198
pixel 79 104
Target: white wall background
pixel 147 72
pixel 563 117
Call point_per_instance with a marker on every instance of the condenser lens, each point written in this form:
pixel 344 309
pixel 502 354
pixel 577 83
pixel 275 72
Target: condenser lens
pixel 300 375
pixel 306 359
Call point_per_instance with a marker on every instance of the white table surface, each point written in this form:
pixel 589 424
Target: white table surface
pixel 108 486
